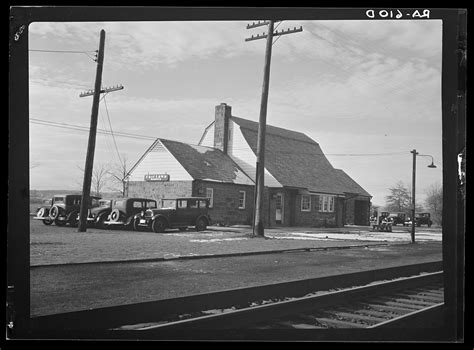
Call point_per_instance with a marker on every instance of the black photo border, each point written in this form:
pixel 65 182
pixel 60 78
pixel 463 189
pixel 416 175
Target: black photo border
pixel 454 141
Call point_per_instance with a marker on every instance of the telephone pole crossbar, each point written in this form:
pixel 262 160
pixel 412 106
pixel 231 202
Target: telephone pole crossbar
pixel 258 221
pixel 276 33
pixel 109 89
pixel 259 24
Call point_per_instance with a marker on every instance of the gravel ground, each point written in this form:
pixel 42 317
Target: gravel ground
pixel 64 288
pixel 61 245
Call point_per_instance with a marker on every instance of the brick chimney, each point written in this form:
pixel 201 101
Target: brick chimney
pixel 221 127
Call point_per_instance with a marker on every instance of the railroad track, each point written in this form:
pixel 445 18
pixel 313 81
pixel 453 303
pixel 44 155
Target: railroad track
pixel 379 304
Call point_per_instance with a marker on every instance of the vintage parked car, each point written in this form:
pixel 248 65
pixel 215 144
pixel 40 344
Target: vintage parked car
pixel 65 208
pixel 420 219
pixel 123 210
pixel 42 212
pixel 397 218
pixel 381 222
pixel 175 213
pixel 99 214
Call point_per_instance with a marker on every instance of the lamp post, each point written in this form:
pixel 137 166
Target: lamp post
pixel 415 153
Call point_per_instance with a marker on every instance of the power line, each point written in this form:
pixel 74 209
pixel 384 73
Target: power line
pixel 107 141
pixel 111 131
pixel 69 51
pixel 61 51
pixel 144 137
pixel 85 128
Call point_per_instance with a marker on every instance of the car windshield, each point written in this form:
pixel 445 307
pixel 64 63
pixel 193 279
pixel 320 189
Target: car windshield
pixel 58 199
pixel 168 203
pixel 119 203
pixel 95 203
pixel 151 204
pixel 104 203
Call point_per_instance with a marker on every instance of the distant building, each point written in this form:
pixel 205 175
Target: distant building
pixel 301 186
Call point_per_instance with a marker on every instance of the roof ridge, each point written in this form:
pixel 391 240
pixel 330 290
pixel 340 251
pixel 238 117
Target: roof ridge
pixel 309 139
pixel 185 143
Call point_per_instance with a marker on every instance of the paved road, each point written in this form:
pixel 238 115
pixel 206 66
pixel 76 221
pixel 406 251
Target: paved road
pixel 57 289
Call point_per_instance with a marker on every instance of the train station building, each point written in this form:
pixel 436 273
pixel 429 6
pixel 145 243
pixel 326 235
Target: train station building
pixel 301 187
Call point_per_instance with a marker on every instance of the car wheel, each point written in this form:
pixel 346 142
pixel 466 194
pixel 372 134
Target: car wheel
pixel 201 224
pixel 115 215
pixel 136 226
pixel 40 213
pixel 54 212
pixel 158 225
pixel 73 220
pixel 60 222
pixel 100 222
pixel 47 222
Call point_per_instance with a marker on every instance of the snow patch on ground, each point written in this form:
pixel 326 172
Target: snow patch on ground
pixel 212 240
pixel 362 236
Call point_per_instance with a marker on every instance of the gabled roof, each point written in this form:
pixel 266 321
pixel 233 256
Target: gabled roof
pixel 272 130
pixel 295 160
pixel 206 163
pixel 349 185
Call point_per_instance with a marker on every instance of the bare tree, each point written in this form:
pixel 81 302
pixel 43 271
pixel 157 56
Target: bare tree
pixel 399 198
pixel 118 173
pixel 434 202
pixel 100 178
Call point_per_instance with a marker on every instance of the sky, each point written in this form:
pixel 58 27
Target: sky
pixel 368 92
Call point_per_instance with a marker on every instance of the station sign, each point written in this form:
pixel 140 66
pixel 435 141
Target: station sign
pixel 157 177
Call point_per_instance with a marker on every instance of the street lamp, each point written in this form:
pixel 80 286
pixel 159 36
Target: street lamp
pixel 415 153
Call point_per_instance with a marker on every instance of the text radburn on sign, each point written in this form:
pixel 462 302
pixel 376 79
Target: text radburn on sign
pixel 157 177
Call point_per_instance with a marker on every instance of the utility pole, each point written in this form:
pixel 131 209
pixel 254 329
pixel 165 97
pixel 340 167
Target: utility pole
pixel 260 166
pixel 413 196
pixel 415 154
pixel 86 187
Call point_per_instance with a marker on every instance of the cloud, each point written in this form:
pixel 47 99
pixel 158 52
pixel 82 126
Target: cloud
pixel 145 45
pixel 345 84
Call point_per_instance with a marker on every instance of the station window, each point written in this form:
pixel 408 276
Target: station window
pixel 241 199
pixel 326 204
pixel 305 203
pixel 210 195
